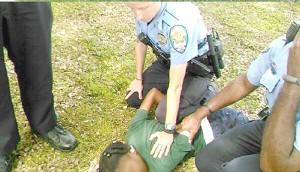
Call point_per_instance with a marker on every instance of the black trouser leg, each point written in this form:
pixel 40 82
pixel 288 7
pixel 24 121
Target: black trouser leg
pixel 28 42
pixel 193 92
pixel 154 76
pixel 247 163
pixel 9 136
pixel 237 142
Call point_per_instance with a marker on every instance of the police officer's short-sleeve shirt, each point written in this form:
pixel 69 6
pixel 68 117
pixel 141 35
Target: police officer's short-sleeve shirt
pixel 177 29
pixel 139 132
pixel 268 70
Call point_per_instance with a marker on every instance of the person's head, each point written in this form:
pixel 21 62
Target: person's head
pixel 144 11
pixel 120 157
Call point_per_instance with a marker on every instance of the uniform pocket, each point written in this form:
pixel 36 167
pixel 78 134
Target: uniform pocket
pixel 269 80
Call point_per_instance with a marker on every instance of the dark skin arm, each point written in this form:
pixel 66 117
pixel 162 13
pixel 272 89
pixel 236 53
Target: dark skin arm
pixel 278 152
pixel 154 96
pixel 234 91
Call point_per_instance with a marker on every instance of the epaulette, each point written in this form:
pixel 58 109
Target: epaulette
pixel 168 19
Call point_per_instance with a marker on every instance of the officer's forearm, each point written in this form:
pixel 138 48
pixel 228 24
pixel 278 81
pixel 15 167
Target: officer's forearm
pixel 278 139
pixel 233 92
pixel 140 53
pixel 173 98
pixel 177 74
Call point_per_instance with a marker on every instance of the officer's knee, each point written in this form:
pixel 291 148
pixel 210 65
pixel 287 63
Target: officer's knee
pixel 231 166
pixel 249 163
pixel 160 112
pixel 160 115
pixel 134 101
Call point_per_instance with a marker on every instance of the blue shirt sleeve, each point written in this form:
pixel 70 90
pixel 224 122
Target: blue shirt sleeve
pixel 196 30
pixel 137 27
pixel 259 66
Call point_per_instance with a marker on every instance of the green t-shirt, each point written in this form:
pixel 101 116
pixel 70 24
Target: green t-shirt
pixel 139 132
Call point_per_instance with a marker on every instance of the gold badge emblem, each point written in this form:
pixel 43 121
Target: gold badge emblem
pixel 161 39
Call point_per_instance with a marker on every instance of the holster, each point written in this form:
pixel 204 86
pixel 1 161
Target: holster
pixel 206 65
pixel 199 67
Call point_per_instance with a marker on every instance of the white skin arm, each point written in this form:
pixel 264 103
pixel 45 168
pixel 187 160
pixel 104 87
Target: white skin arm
pixel 136 85
pixel 164 140
pixel 278 152
pixel 177 74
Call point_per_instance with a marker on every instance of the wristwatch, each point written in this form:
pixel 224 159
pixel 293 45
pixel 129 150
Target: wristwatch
pixel 170 128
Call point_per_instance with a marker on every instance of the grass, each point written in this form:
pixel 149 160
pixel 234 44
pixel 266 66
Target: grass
pixel 93 63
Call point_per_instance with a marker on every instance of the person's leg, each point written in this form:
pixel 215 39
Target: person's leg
pixel 154 96
pixel 237 142
pixel 9 136
pixel 193 92
pixel 225 119
pixel 154 76
pixel 30 49
pixel 247 163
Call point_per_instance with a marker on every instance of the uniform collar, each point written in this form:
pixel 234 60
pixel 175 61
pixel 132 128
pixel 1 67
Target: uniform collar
pixel 158 15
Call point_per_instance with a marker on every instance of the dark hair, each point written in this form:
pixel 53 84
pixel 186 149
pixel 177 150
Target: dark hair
pixel 110 157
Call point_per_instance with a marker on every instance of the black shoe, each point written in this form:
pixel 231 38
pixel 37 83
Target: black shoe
pixel 5 163
pixel 60 139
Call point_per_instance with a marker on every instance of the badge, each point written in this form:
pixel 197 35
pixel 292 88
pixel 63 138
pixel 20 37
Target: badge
pixel 161 39
pixel 178 38
pixel 274 68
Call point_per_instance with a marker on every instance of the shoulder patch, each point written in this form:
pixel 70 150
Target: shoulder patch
pixel 178 38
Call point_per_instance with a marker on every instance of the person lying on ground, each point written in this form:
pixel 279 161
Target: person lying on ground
pixel 143 131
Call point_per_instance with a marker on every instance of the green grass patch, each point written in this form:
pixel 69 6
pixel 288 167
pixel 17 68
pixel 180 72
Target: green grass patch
pixel 93 64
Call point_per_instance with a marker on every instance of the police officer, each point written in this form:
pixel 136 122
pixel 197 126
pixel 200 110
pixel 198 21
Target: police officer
pixel 25 31
pixel 241 146
pixel 174 31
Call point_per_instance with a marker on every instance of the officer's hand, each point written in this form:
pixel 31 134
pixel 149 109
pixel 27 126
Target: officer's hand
pixel 190 123
pixel 135 86
pixel 293 68
pixel 162 145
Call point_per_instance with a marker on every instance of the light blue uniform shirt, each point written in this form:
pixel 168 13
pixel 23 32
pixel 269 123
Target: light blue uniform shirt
pixel 268 70
pixel 176 14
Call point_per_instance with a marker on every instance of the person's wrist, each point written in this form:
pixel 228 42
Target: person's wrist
pixel 208 108
pixel 170 128
pixel 138 79
pixel 169 131
pixel 200 114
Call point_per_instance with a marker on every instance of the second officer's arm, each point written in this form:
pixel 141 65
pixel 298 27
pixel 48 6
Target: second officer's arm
pixel 280 151
pixel 234 91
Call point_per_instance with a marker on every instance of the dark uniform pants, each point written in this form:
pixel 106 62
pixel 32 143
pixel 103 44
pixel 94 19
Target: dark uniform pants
pixel 236 150
pixel 26 34
pixel 157 76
